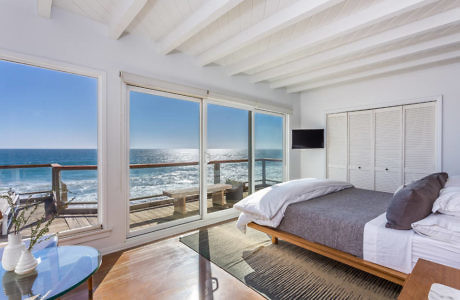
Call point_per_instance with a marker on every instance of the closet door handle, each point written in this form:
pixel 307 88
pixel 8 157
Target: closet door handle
pixel 359 168
pixel 386 169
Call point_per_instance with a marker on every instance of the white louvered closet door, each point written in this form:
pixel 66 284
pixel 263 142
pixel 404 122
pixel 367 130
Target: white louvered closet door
pixel 361 150
pixel 388 148
pixel 337 146
pixel 420 140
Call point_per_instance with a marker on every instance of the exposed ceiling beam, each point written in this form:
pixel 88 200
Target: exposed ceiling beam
pixel 290 15
pixel 395 68
pixel 446 41
pixel 395 35
pixel 200 19
pixel 44 8
pixel 124 14
pixel 361 19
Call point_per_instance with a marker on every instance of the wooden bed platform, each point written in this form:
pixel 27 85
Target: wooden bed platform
pixel 340 256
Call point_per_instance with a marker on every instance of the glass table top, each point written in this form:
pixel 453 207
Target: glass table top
pixel 60 269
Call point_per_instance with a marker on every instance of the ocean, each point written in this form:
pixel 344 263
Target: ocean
pixel 82 185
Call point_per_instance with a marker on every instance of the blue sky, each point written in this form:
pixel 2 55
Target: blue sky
pixel 160 122
pixel 46 109
pixel 49 109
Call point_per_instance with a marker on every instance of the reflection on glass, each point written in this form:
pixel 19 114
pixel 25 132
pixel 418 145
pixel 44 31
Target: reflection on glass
pixel 227 156
pixel 164 155
pixel 268 136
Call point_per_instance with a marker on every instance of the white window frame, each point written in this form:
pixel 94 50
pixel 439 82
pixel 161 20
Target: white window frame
pixel 127 158
pixel 131 82
pixel 85 233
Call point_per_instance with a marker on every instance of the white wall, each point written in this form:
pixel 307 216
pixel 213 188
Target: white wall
pixel 440 80
pixel 77 40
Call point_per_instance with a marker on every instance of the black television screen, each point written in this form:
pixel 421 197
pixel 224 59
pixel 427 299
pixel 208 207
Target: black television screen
pixel 307 138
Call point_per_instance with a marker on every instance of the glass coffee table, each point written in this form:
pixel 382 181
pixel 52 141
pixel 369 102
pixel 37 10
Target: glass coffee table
pixel 60 270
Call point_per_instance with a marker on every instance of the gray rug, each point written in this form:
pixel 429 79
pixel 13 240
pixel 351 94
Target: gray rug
pixel 284 271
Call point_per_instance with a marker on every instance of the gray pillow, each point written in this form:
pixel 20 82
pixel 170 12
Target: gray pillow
pixel 414 202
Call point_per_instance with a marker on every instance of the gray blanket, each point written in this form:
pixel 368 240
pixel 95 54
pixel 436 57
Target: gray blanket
pixel 336 220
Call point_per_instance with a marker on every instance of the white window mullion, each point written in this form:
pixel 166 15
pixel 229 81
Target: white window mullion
pixel 203 159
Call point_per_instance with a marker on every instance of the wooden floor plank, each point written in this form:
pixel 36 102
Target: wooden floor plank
pixel 162 270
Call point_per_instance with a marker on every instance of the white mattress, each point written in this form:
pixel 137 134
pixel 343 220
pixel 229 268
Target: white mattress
pixel 435 251
pixel 401 249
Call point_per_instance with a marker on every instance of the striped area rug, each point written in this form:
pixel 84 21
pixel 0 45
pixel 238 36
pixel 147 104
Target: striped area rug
pixel 284 271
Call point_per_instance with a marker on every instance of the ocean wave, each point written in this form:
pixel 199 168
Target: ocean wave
pixel 82 185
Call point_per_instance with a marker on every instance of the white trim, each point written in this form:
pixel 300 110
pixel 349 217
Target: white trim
pixel 384 104
pixel 202 93
pixel 101 77
pixel 204 159
pixel 252 153
pixel 161 85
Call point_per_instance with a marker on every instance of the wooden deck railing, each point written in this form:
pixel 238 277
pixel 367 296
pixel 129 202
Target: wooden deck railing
pixel 59 190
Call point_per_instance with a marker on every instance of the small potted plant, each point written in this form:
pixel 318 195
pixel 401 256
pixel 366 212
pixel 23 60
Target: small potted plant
pixel 27 262
pixel 15 245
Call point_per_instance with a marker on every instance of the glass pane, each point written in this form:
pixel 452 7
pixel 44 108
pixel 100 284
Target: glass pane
pixel 49 132
pixel 164 156
pixel 227 156
pixel 268 136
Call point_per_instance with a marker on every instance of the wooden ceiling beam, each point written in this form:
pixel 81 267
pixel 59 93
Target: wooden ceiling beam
pixel 44 8
pixel 430 24
pixel 125 14
pixel 290 15
pixel 200 19
pixel 374 14
pixel 432 45
pixel 379 72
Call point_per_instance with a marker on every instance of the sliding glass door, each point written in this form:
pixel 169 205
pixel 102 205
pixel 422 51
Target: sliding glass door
pixel 269 149
pixel 227 156
pixel 190 157
pixel 164 177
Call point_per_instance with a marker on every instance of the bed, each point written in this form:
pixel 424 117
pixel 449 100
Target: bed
pixel 349 226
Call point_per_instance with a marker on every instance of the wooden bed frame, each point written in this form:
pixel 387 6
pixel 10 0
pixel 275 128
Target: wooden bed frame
pixel 340 256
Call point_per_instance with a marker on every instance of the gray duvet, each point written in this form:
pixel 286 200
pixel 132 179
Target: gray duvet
pixel 336 220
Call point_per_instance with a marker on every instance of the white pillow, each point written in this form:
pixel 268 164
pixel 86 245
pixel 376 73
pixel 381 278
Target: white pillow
pixel 453 181
pixel 439 227
pixel 448 202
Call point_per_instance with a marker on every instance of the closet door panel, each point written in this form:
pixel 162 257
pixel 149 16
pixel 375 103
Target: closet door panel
pixel 420 140
pixel 361 150
pixel 337 146
pixel 388 149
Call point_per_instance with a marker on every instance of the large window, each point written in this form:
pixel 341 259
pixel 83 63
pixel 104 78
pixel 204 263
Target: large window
pixel 227 156
pixel 192 157
pixel 269 149
pixel 48 143
pixel 164 159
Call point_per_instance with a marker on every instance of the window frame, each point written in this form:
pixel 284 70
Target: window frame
pixel 155 87
pixel 101 77
pixel 169 224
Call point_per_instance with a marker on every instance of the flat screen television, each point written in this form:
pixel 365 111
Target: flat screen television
pixel 307 138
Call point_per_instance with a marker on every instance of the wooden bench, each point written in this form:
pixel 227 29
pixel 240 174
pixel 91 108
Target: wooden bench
pixel 180 195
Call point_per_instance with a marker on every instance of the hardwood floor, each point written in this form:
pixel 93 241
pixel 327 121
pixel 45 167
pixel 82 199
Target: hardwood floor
pixel 162 270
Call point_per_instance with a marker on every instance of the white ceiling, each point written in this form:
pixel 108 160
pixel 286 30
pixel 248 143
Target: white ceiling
pixel 294 44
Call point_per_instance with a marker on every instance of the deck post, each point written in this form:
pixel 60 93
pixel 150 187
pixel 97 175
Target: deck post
pixel 216 173
pixel 56 184
pixel 264 174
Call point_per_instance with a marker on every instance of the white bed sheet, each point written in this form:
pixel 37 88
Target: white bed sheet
pixel 436 251
pixel 387 247
pixel 401 249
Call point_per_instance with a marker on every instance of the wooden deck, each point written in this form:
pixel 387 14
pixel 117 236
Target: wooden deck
pixel 139 219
